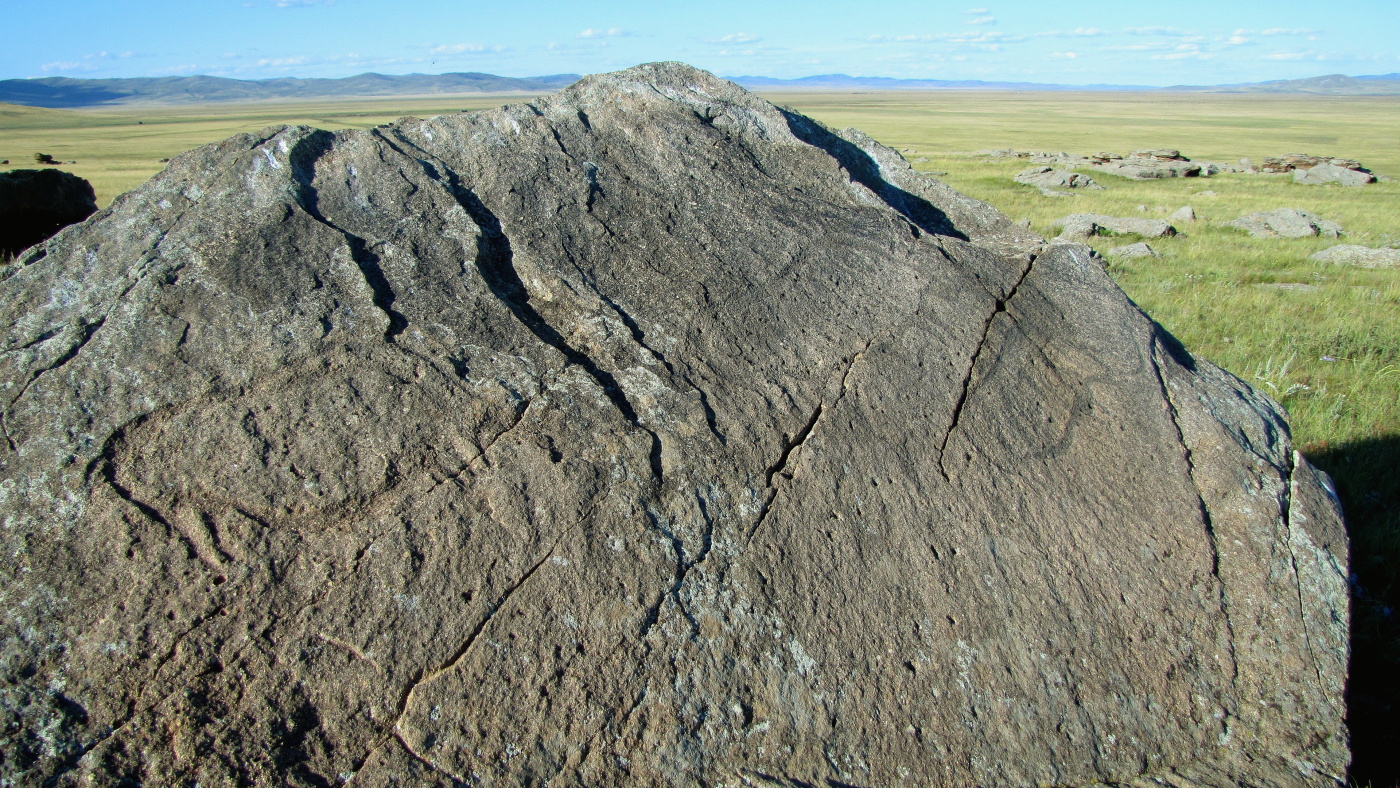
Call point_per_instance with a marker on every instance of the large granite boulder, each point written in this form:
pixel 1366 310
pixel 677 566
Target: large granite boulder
pixel 35 204
pixel 646 434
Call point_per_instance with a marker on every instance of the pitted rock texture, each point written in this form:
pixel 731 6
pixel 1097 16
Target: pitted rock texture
pixel 646 434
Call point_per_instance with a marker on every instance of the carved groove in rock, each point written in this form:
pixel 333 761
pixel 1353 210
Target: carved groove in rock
pixel 644 434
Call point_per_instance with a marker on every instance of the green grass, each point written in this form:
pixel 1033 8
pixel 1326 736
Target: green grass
pixel 118 149
pixel 1329 352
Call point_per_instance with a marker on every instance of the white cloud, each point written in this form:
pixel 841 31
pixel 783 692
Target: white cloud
pixel 1285 31
pixel 455 49
pixel 1064 55
pixel 982 20
pixel 1156 31
pixel 1286 56
pixel 64 65
pixel 1078 32
pixel 976 11
pixel 1238 39
pixel 735 38
pixel 602 33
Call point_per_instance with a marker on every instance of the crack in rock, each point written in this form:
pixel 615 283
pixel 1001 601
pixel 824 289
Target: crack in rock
pixel 972 366
pixel 304 157
pixel 1211 538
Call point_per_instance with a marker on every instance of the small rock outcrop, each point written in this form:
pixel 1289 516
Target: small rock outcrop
pixel 1116 225
pixel 645 434
pixel 1286 223
pixel 1360 256
pixel 1047 179
pixel 1302 161
pixel 1133 250
pixel 1185 214
pixel 35 204
pixel 1330 173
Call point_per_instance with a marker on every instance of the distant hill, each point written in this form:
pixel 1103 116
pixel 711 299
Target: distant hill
pixel 1332 85
pixel 844 82
pixel 1329 85
pixel 66 92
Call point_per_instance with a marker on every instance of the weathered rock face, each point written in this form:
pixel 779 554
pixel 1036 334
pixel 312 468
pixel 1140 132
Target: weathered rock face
pixel 35 204
pixel 1147 228
pixel 1361 256
pixel 1047 179
pixel 1331 173
pixel 642 435
pixel 1286 223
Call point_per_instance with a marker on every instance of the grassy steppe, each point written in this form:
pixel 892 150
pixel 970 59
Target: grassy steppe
pixel 117 149
pixel 1324 340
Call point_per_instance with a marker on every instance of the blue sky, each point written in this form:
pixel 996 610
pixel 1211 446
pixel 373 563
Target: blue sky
pixel 1090 41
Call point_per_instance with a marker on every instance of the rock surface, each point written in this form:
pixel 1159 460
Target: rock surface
pixel 1286 223
pixel 1184 214
pixel 1120 225
pixel 646 434
pixel 1331 173
pixel 1289 162
pixel 35 204
pixel 1133 250
pixel 1361 256
pixel 1047 178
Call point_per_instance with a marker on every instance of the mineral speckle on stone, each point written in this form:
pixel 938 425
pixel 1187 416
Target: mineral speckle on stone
pixel 646 434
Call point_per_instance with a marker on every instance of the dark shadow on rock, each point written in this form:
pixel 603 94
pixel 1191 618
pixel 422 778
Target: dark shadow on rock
pixel 1367 475
pixel 35 204
pixel 865 171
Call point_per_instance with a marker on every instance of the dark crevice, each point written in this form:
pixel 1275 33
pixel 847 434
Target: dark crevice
pixel 303 159
pixel 1287 514
pixel 779 466
pixel 972 367
pixel 790 446
pixel 683 568
pixel 85 335
pixel 639 336
pixel 1212 540
pixel 495 261
pixel 866 171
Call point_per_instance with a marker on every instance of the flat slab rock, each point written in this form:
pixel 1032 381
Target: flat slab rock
pixel 645 434
pixel 1088 224
pixel 1360 256
pixel 1286 223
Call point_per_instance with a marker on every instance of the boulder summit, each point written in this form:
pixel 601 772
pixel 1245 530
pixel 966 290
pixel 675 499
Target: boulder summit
pixel 646 434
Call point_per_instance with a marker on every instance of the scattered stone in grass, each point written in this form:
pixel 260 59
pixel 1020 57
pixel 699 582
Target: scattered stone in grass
pixel 1147 228
pixel 1047 178
pixel 1183 214
pixel 1142 209
pixel 1289 162
pixel 1286 223
pixel 1133 250
pixel 1331 173
pixel 1079 230
pixel 1206 193
pixel 1360 256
